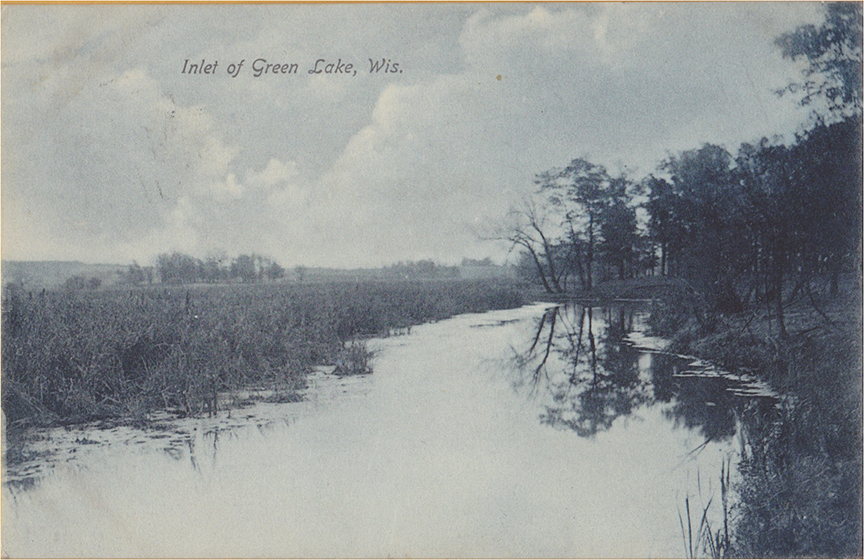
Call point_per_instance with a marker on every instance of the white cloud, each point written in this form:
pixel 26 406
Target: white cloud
pixel 110 154
pixel 276 172
pixel 112 163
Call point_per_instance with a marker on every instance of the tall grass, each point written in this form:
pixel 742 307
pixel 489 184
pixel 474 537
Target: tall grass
pixel 702 537
pixel 76 356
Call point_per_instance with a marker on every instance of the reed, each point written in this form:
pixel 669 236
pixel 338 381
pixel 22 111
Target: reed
pixel 71 356
pixel 799 493
pixel 705 539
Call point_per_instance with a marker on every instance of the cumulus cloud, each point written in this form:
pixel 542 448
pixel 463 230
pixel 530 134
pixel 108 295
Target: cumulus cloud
pixel 275 173
pixel 110 154
pixel 114 161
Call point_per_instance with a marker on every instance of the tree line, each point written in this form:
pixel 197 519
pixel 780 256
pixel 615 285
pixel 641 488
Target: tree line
pixel 180 268
pixel 757 225
pixel 422 269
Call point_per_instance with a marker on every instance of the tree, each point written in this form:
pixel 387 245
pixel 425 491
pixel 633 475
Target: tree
pixel 135 274
pixel 665 226
pixel 528 228
pixel 773 214
pixel 829 154
pixel 214 269
pixel 177 268
pixel 833 54
pixel 715 249
pixel 275 271
pixel 618 230
pixel 243 267
pixel 75 283
pixel 829 183
pixel 581 191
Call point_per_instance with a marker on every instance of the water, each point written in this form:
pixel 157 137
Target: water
pixel 530 432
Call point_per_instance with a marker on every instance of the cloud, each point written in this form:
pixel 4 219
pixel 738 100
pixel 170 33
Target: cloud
pixel 114 161
pixel 110 154
pixel 627 82
pixel 538 88
pixel 275 173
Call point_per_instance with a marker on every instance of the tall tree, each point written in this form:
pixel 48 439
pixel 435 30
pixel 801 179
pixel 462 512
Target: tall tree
pixel 178 268
pixel 136 274
pixel 767 176
pixel 829 159
pixel 829 154
pixel 833 55
pixel 528 227
pixel 243 267
pixel 581 190
pixel 214 268
pixel 618 228
pixel 715 250
pixel 665 225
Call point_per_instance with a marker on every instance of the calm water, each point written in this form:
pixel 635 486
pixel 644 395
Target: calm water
pixel 530 432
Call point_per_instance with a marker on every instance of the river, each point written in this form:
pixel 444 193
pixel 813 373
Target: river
pixel 534 432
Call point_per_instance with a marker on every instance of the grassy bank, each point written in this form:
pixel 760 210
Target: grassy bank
pixel 74 356
pixel 800 491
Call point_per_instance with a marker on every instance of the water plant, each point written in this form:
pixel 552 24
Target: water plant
pixel 705 539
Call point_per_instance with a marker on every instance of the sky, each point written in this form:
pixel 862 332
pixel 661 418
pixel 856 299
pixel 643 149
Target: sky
pixel 111 153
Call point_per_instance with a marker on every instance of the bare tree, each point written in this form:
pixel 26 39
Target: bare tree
pixel 528 228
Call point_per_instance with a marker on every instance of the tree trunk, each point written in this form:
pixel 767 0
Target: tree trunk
pixel 539 266
pixel 663 246
pixel 777 266
pixel 590 256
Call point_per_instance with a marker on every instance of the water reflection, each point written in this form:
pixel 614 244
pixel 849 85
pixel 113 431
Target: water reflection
pixel 190 440
pixel 587 373
pixel 434 455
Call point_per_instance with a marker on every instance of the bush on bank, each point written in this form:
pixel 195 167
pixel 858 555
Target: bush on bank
pixel 801 468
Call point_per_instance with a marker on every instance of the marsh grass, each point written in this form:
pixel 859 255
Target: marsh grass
pixel 355 359
pixel 73 356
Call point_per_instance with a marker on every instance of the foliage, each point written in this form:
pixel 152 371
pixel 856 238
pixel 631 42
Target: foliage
pixel 580 217
pixel 179 268
pixel 833 55
pixel 526 228
pixel 138 274
pixel 620 239
pixel 799 493
pixel 425 269
pixel 75 283
pixel 580 190
pixel 759 228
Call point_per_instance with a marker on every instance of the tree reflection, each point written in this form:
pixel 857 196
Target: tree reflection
pixel 594 378
pixel 587 374
pixel 698 402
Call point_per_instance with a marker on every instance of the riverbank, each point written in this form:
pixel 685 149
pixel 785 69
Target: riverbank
pixel 78 356
pixel 800 493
